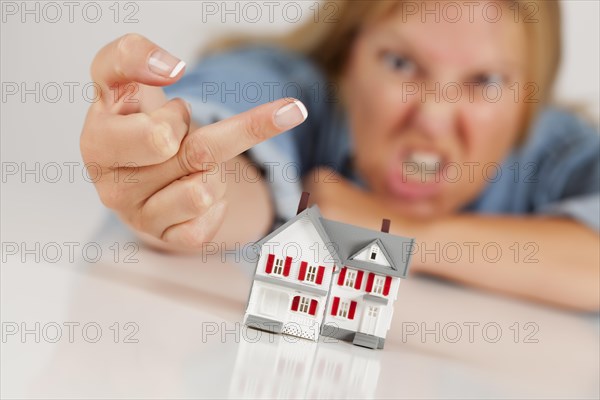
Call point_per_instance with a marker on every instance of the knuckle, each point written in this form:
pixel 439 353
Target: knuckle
pixel 183 116
pixel 198 196
pixel 180 118
pixel 158 136
pixel 87 145
pixel 124 47
pixel 162 139
pixel 128 41
pixel 112 196
pixel 194 237
pixel 198 154
pixel 202 230
pixel 182 106
pixel 254 128
pixel 145 121
pixel 141 223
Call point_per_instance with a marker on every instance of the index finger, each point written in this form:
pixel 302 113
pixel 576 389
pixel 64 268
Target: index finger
pixel 223 140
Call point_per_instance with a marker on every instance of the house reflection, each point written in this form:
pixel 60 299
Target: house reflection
pixel 279 366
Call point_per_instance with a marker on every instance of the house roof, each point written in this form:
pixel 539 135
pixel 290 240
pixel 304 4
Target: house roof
pixel 349 239
pixel 369 245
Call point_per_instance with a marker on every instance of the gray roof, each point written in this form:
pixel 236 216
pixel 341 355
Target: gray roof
pixel 348 240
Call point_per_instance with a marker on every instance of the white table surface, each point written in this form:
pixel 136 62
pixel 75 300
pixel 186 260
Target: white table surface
pixel 189 342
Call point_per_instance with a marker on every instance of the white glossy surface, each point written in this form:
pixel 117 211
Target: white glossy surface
pixel 190 343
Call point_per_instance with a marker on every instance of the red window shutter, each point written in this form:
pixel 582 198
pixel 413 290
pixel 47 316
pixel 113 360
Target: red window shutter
pixel 358 281
pixel 370 282
pixel 387 284
pixel 295 302
pixel 342 276
pixel 302 273
pixel 352 310
pixel 270 260
pixel 320 274
pixel 313 307
pixel 335 305
pixel 286 266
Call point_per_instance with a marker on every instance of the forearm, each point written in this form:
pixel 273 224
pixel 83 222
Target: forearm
pixel 552 260
pixel 547 259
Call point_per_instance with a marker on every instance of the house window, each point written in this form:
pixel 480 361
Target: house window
pixel 303 307
pixel 373 311
pixel 378 283
pixel 350 278
pixel 343 309
pixel 278 267
pixel 311 273
pixel 373 252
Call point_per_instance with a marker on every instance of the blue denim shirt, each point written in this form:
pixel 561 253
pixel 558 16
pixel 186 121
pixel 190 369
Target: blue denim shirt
pixel 556 171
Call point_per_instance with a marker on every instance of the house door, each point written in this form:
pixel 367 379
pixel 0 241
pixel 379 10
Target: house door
pixel 369 322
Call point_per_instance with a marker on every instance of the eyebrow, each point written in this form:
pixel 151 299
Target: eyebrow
pixel 503 63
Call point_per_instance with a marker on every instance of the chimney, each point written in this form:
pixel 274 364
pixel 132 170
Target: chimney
pixel 385 226
pixel 303 202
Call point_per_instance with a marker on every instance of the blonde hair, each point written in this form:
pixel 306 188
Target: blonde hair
pixel 328 41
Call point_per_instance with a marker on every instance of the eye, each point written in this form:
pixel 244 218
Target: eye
pixel 489 79
pixel 398 63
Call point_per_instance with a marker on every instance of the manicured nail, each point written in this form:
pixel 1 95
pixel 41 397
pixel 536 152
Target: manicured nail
pixel 164 64
pixel 291 115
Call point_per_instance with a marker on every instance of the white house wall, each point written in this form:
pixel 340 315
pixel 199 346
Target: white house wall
pixel 272 308
pixel 302 242
pixel 348 294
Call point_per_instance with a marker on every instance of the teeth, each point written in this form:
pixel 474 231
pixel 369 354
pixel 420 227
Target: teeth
pixel 426 161
pixel 425 166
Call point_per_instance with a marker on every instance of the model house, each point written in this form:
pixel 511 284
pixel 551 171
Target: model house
pixel 317 277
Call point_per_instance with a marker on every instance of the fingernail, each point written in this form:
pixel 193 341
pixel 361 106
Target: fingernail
pixel 164 64
pixel 189 108
pixel 291 115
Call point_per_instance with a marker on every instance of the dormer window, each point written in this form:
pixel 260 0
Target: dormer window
pixel 374 250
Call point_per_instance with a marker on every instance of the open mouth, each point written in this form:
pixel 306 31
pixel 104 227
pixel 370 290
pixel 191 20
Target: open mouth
pixel 416 175
pixel 423 166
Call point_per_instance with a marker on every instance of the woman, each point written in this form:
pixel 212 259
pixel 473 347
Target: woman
pixel 440 124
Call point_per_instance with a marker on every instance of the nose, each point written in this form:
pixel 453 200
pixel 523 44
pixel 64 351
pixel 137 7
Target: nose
pixel 434 116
